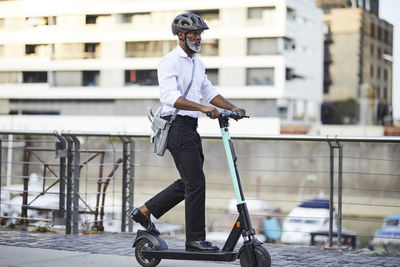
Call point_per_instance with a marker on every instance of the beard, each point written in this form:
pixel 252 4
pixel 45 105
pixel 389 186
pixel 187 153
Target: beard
pixel 194 46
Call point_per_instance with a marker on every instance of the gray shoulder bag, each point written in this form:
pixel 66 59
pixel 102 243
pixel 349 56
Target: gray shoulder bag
pixel 160 127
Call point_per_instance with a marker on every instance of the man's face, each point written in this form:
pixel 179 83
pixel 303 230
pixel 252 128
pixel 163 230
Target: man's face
pixel 193 40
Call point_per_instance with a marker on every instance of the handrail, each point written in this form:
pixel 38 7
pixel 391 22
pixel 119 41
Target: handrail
pixel 270 137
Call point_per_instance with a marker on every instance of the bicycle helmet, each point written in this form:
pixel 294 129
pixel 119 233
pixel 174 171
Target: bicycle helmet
pixel 188 22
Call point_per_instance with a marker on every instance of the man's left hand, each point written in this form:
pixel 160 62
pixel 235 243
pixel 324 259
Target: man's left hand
pixel 239 111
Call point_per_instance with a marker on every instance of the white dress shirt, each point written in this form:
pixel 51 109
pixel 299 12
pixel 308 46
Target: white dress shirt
pixel 174 74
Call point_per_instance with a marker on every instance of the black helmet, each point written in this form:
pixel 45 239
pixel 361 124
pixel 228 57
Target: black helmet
pixel 188 22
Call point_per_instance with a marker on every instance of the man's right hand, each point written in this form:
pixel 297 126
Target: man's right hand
pixel 211 112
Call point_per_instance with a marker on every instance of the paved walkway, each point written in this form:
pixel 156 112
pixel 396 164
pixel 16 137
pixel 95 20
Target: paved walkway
pixel 24 248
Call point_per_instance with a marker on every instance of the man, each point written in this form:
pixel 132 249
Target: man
pixel 184 143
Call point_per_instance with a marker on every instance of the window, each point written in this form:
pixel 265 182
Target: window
pixel 36 21
pixel 378 73
pixel 260 76
pixel 141 77
pixel 379 53
pixel 10 77
pixel 90 78
pixel 291 14
pixel 257 13
pixel 90 50
pixel 2 23
pixel 130 17
pixel 262 46
pixel 207 15
pixel 290 74
pixel 385 75
pixel 212 75
pixel 371 70
pixel 379 33
pixel 34 77
pixel 149 48
pixel 92 19
pixel 209 47
pixel 1 50
pixel 36 50
pixel 372 30
pixel 371 50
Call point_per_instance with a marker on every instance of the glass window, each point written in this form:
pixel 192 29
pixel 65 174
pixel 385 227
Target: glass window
pixel 372 30
pixel 2 22
pixel 90 50
pixel 141 77
pixel 371 70
pixel 148 48
pixel 257 13
pixel 262 46
pixel 260 76
pixel 207 15
pixel 34 77
pixel 212 75
pixel 209 47
pixel 90 78
pixel 130 17
pixel 36 50
pixel 36 21
pixel 92 18
pixel 10 77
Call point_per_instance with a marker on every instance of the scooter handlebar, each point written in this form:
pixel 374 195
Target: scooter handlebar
pixel 229 115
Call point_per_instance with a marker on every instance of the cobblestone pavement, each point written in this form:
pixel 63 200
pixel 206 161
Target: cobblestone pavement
pixel 121 244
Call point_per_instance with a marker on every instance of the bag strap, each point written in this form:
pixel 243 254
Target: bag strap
pixel 186 92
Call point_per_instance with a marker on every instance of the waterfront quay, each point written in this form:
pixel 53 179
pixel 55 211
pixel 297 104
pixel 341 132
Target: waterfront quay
pixel 28 248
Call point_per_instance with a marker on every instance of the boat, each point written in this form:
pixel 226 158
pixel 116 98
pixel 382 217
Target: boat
pixel 388 237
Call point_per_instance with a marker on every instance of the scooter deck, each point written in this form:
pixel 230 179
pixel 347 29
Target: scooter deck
pixel 181 254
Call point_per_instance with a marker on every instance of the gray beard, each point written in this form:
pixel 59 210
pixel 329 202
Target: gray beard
pixel 195 48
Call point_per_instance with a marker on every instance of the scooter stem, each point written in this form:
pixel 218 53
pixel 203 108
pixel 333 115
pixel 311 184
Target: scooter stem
pixel 231 157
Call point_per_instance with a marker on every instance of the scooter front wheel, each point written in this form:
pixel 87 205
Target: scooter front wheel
pixel 262 257
pixel 142 245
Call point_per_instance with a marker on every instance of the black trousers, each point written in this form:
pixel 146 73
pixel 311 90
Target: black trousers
pixel 184 143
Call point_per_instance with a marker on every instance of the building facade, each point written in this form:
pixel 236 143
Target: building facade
pixel 357 63
pixel 99 58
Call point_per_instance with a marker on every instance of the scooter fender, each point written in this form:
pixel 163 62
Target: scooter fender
pixel 158 242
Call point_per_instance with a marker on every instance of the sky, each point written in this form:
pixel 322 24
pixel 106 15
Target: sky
pixel 389 11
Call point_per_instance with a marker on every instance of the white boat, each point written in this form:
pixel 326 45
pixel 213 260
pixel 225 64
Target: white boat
pixel 309 216
pixel 388 237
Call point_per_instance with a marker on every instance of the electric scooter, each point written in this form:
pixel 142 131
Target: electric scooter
pixel 151 248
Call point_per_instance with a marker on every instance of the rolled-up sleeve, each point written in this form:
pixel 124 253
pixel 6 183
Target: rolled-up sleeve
pixel 208 91
pixel 167 73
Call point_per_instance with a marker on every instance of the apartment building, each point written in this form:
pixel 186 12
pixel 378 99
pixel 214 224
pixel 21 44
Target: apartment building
pixel 357 63
pixel 99 58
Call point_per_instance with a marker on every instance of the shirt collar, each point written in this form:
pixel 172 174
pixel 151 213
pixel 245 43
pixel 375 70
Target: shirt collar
pixel 182 53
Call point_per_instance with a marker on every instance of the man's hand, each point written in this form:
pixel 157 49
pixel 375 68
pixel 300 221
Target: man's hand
pixel 214 113
pixel 239 111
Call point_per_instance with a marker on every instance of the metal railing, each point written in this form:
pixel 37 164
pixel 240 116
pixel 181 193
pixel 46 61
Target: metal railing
pixel 77 152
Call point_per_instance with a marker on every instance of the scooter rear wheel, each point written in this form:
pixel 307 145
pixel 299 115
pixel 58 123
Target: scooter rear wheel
pixel 262 257
pixel 142 245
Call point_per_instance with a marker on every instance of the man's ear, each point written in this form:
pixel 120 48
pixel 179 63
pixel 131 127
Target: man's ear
pixel 181 36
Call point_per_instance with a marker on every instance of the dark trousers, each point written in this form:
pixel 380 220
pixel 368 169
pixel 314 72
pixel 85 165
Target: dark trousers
pixel 184 143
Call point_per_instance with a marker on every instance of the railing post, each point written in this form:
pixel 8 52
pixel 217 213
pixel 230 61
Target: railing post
pixel 25 175
pixel 331 191
pixel 68 215
pixel 131 180
pixel 340 186
pixel 1 167
pixel 61 153
pixel 77 169
pixel 331 186
pixel 124 181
